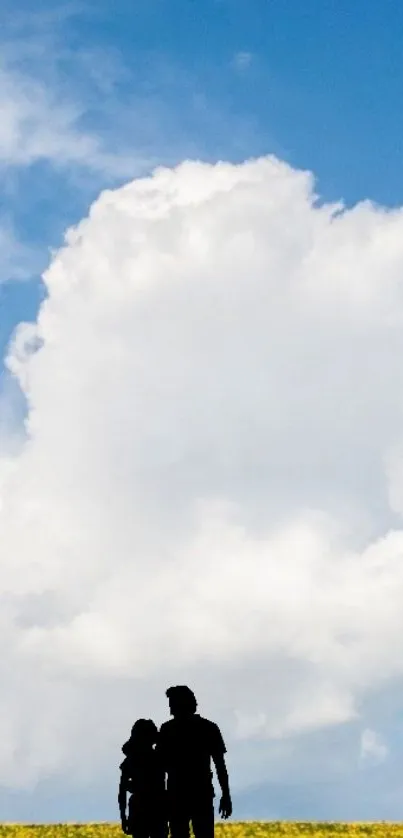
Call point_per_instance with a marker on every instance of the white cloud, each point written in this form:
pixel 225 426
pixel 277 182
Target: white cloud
pixel 203 496
pixel 18 261
pixel 39 123
pixel 373 750
pixel 89 111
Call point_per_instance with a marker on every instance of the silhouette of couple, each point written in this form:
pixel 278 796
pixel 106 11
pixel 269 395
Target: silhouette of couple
pixel 182 751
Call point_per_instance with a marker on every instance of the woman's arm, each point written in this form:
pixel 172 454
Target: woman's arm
pixel 122 801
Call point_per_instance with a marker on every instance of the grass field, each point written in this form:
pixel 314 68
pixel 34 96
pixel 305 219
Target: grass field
pixel 249 829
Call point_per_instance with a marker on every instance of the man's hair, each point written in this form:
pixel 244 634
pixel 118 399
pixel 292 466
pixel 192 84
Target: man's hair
pixel 182 699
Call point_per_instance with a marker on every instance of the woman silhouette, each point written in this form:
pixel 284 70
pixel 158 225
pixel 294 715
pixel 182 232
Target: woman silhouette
pixel 143 778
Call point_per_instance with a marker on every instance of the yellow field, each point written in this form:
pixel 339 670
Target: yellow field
pixel 249 829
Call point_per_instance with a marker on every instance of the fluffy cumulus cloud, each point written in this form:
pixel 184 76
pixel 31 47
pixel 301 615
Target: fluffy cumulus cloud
pixel 210 488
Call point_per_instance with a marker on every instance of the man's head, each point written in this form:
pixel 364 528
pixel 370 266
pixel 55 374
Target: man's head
pixel 182 701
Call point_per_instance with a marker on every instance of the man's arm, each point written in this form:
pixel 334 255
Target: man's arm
pixel 225 808
pixel 222 773
pixel 217 751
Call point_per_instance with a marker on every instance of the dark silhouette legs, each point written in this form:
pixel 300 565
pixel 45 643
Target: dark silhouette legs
pixel 147 821
pixel 199 813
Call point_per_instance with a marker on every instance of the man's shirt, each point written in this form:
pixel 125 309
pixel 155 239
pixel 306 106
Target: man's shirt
pixel 185 747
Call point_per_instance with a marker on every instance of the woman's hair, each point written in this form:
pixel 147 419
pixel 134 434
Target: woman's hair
pixel 144 732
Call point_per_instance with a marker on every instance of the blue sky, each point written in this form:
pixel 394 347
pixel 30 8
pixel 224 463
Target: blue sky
pixel 98 94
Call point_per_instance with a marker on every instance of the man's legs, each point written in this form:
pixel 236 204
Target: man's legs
pixel 159 820
pixel 179 817
pixel 203 819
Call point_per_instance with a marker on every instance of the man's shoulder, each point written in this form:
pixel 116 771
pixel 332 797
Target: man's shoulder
pixel 164 731
pixel 211 733
pixel 207 724
pixel 200 723
pixel 170 724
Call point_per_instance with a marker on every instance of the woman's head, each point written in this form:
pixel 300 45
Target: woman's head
pixel 144 734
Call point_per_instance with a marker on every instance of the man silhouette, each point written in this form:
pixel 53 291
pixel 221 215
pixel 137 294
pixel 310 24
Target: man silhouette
pixel 185 746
